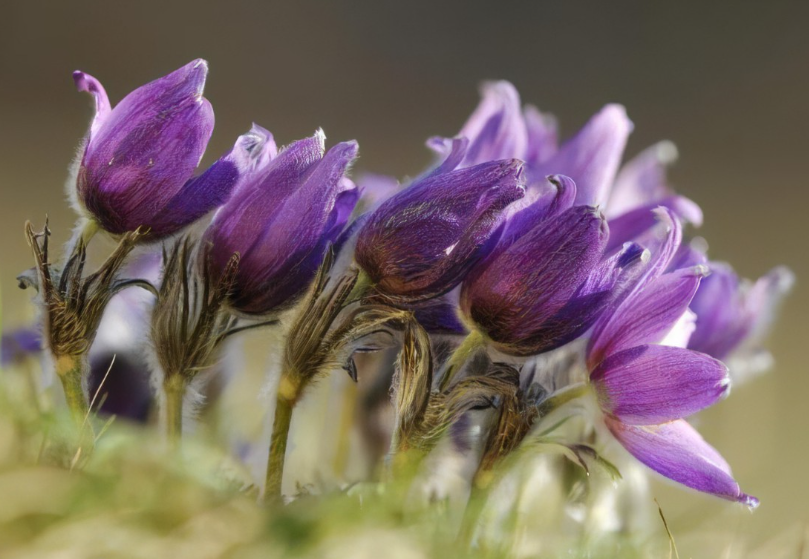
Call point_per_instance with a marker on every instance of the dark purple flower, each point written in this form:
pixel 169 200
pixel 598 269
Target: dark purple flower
pixel 421 242
pixel 645 388
pixel 547 287
pixel 282 215
pixel 734 316
pixel 139 157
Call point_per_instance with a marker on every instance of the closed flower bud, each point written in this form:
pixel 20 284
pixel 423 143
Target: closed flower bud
pixel 139 157
pixel 421 242
pixel 546 288
pixel 282 215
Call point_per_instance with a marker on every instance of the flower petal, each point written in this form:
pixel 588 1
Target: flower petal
pixel 652 384
pixel 676 451
pixel 86 82
pixel 647 316
pixel 591 158
pixel 642 180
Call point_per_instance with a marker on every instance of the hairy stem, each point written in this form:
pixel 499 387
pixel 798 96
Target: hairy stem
pixel 174 391
pixel 278 445
pixel 562 397
pixel 468 347
pixel 346 425
pixel 71 369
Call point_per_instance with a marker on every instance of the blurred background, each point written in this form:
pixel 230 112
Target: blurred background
pixel 726 81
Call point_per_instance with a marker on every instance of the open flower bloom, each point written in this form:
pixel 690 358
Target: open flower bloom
pixel 421 242
pixel 547 287
pixel 500 127
pixel 139 157
pixel 734 316
pixel 645 388
pixel 285 211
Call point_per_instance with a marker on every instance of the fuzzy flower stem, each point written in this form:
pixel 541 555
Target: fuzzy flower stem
pixel 460 356
pixel 174 391
pixel 71 369
pixel 284 405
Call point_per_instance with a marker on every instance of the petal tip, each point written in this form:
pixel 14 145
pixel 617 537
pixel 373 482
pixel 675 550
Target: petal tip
pixel 749 501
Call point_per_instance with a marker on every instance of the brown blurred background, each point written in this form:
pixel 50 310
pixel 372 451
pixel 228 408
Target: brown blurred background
pixel 726 81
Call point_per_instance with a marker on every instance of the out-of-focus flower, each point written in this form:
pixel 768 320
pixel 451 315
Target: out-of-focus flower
pixel 546 288
pixel 421 242
pixel 282 215
pixel 645 388
pixel 499 127
pixel 734 316
pixel 139 157
pixel 20 344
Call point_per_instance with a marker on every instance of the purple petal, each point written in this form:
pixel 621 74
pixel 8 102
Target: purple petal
pixel 375 189
pixel 524 215
pixel 652 384
pixel 421 242
pixel 676 451
pixel 543 136
pixel 145 150
pixel 495 130
pixel 591 158
pixel 642 180
pixel 19 344
pixel 522 298
pixel 647 316
pixel 87 83
pixel 440 316
pixel 633 224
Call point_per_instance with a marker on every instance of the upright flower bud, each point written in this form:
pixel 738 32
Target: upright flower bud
pixel 546 288
pixel 283 213
pixel 139 157
pixel 421 242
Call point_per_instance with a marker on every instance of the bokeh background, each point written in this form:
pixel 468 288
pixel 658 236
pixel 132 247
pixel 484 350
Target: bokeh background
pixel 728 82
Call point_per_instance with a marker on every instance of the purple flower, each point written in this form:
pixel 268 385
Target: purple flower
pixel 139 157
pixel 734 316
pixel 421 242
pixel 19 344
pixel 645 388
pixel 547 287
pixel 282 215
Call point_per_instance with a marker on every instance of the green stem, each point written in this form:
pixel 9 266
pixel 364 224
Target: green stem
pixel 562 397
pixel 278 447
pixel 71 369
pixel 174 390
pixel 462 353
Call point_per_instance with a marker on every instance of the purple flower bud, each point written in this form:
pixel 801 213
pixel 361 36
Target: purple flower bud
pixel 139 157
pixel 546 288
pixel 421 242
pixel 282 215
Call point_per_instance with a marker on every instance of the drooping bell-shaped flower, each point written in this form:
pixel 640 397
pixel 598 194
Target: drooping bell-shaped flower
pixel 285 211
pixel 547 287
pixel 421 242
pixel 139 157
pixel 645 387
pixel 734 316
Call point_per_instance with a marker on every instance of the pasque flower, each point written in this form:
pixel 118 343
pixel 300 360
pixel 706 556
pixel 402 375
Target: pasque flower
pixel 139 157
pixel 421 242
pixel 285 210
pixel 733 316
pixel 645 387
pixel 500 127
pixel 548 286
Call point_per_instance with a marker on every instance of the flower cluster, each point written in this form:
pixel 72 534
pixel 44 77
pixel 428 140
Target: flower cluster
pixel 515 275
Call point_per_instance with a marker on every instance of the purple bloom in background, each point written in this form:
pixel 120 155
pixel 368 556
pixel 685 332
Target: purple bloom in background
pixel 547 287
pixel 287 208
pixel 422 241
pixel 139 157
pixel 734 316
pixel 645 388
pixel 499 127
pixel 19 344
